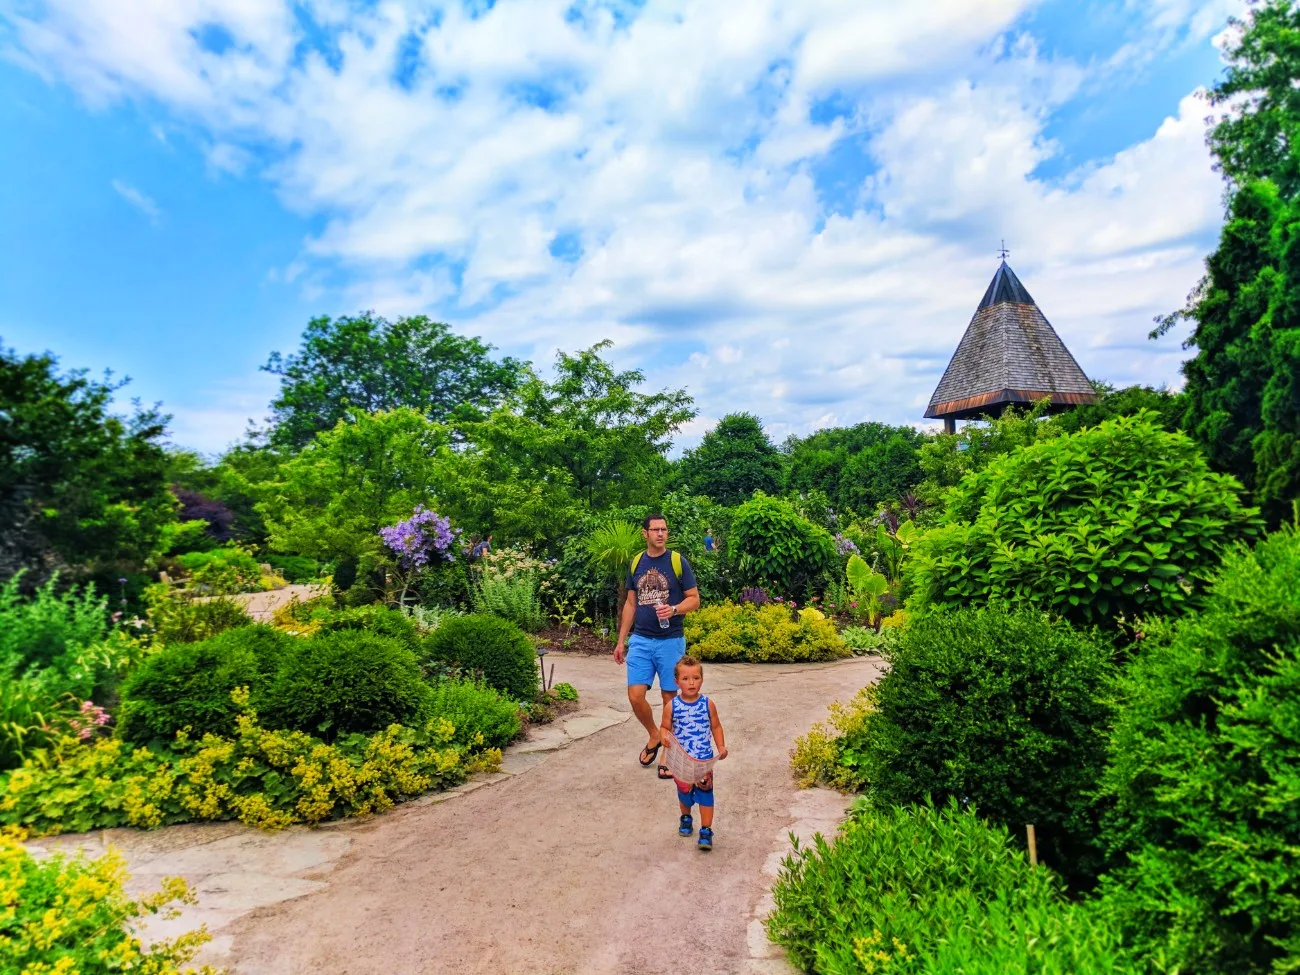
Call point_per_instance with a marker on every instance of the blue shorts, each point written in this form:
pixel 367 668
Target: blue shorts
pixel 647 657
pixel 695 795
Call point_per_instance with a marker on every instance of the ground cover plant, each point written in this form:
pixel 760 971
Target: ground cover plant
pixel 923 889
pixel 1123 519
pixel 261 777
pixel 770 633
pixel 73 915
pixel 818 757
pixel 1203 776
pixel 1005 710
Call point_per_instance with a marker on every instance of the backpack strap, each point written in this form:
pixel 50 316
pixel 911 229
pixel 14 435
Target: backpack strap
pixel 636 560
pixel 676 560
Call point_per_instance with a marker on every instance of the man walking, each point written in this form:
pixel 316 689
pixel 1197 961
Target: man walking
pixel 661 589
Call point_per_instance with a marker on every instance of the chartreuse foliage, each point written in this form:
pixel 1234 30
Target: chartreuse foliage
pixel 1005 710
pixel 1121 519
pixel 762 634
pixel 482 715
pixel 72 916
pixel 780 550
pixel 1204 775
pixel 925 890
pixel 263 778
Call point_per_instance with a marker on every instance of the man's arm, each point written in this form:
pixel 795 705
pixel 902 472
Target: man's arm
pixel 689 604
pixel 625 626
pixel 715 723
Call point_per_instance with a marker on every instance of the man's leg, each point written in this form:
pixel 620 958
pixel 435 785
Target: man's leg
pixel 644 713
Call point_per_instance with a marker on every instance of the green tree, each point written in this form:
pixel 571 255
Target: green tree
pixel 735 459
pixel 371 470
pixel 590 426
pixel 369 364
pixel 1126 401
pixel 80 487
pixel 857 467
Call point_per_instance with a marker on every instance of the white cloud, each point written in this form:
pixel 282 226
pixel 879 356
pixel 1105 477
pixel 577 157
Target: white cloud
pixel 137 199
pixel 681 151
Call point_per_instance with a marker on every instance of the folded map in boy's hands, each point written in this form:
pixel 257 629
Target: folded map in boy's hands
pixel 683 766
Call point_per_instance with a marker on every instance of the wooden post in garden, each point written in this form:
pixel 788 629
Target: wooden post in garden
pixel 1033 845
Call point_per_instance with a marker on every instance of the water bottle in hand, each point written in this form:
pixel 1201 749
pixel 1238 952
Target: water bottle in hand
pixel 664 620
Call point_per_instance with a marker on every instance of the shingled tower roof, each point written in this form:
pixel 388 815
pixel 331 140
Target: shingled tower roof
pixel 1009 354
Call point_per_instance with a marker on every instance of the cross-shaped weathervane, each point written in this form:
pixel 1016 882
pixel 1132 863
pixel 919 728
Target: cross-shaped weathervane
pixel 1004 253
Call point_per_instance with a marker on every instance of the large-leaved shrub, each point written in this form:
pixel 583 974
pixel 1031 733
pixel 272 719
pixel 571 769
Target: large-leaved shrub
pixel 1125 518
pixel 1006 710
pixel 491 646
pixel 188 685
pixel 924 890
pixel 762 634
pixel 348 682
pixel 1205 775
pixel 780 550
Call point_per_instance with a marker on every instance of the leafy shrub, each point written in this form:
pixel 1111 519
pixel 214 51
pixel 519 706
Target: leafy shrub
pixel 1203 773
pixel 241 566
pixel 32 706
pixel 492 646
pixel 565 692
pixel 62 914
pixel 263 778
pixel 429 618
pixel 512 597
pixel 816 758
pixel 1005 710
pixel 1121 519
pixel 347 682
pixel 481 715
pixel 372 619
pixel 920 890
pixel 177 617
pixel 863 639
pixel 188 685
pixel 779 550
pixel 49 627
pixel 295 568
pixel 761 634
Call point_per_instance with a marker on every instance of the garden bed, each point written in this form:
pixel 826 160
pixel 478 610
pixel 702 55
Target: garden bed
pixel 581 640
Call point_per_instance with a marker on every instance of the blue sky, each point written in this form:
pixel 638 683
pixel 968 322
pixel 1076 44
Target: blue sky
pixel 789 208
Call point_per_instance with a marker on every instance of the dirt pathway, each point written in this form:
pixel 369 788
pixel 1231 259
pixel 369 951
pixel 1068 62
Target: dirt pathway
pixel 567 863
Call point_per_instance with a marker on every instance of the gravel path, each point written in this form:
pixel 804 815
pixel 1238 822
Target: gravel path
pixel 567 862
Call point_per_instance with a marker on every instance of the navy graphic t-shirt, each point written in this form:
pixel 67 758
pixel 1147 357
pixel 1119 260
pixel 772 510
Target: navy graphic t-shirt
pixel 655 583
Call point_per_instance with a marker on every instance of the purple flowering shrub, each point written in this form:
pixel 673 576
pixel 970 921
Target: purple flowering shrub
pixel 421 540
pixel 845 546
pixel 756 595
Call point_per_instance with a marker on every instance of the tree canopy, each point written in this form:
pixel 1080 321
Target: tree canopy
pixel 81 488
pixel 734 459
pixel 369 364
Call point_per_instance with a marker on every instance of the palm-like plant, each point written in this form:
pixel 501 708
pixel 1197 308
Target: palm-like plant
pixel 611 548
pixel 868 585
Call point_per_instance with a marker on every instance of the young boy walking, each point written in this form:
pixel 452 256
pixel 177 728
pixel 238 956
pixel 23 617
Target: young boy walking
pixel 689 721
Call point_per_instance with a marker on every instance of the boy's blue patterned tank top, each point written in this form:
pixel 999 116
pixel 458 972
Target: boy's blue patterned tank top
pixel 692 728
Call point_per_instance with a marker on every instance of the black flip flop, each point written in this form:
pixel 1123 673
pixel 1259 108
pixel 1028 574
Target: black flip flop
pixel 648 755
pixel 664 773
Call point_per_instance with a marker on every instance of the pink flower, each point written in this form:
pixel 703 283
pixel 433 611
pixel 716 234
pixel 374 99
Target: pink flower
pixel 854 605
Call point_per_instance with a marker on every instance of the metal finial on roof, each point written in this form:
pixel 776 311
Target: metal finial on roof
pixel 1004 253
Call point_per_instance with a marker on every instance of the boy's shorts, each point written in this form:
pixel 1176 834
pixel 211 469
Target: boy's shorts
pixel 694 795
pixel 647 657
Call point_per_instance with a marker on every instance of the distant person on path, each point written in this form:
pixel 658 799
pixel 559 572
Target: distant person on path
pixel 661 589
pixel 708 540
pixel 481 548
pixel 691 723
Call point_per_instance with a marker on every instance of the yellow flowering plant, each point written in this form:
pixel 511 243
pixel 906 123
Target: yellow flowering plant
pixel 71 916
pixel 270 779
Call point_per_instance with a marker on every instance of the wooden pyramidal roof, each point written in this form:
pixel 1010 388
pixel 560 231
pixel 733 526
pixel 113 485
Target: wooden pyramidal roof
pixel 1010 354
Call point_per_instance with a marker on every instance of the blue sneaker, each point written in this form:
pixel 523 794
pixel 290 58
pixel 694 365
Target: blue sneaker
pixel 687 827
pixel 706 839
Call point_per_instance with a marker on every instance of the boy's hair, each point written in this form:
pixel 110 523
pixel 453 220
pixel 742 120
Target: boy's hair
pixel 653 516
pixel 687 662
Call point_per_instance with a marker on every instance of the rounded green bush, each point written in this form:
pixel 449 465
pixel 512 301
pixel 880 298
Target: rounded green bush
pixel 346 682
pixel 379 620
pixel 778 549
pixel 1123 519
pixel 920 889
pixel 189 684
pixel 1203 775
pixel 475 709
pixel 494 647
pixel 1006 710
